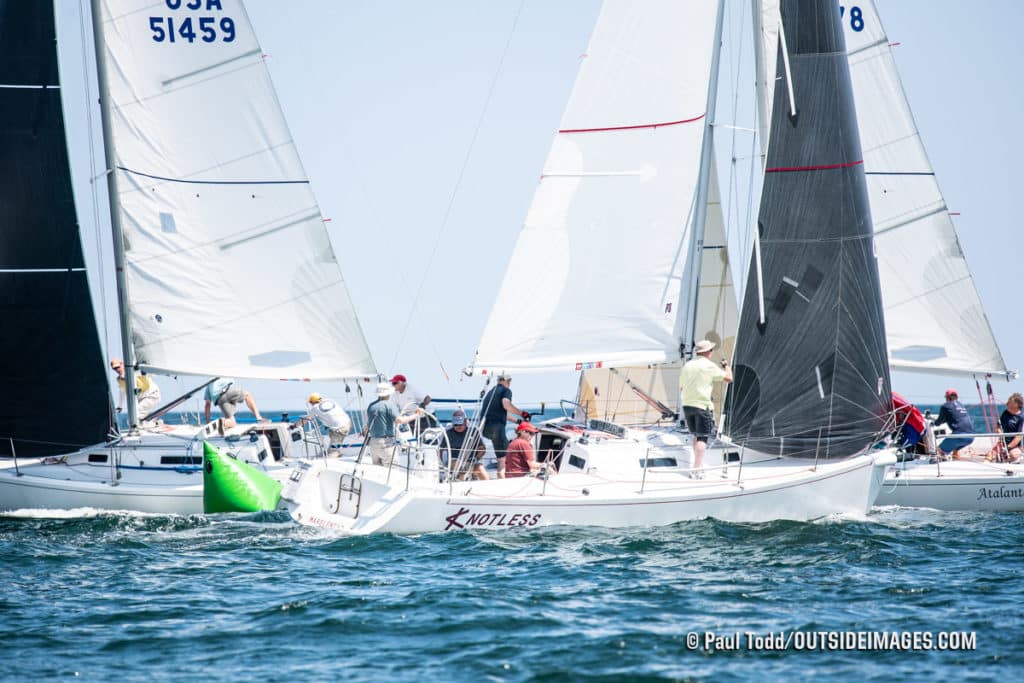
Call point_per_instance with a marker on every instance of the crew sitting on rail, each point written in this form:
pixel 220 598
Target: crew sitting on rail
pixel 954 414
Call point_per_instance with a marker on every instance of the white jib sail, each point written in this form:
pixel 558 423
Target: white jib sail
pixel 934 318
pixel 230 269
pixel 596 273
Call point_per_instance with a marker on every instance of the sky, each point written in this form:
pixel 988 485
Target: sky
pixel 423 128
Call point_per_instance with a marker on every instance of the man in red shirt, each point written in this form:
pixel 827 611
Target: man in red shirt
pixel 520 460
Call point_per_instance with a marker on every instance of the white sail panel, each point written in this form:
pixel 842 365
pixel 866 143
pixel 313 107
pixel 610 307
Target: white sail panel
pixel 934 317
pixel 230 269
pixel 596 274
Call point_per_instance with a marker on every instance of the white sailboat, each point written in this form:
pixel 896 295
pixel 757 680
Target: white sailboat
pixel 224 265
pixel 934 318
pixel 610 257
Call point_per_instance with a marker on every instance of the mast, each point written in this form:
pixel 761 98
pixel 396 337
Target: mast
pixel 117 231
pixel 700 214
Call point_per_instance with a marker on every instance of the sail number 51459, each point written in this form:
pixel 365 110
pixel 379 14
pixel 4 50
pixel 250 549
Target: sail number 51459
pixel 182 27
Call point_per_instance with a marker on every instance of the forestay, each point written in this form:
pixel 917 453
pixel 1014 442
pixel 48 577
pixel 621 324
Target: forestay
pixel 598 274
pixel 934 318
pixel 230 269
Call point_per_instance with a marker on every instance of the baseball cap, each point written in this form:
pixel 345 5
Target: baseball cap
pixel 458 418
pixel 314 398
pixel 504 375
pixel 526 427
pixel 383 389
pixel 398 378
pixel 951 393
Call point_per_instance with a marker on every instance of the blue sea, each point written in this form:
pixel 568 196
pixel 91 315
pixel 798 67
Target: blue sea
pixel 242 598
pixel 256 597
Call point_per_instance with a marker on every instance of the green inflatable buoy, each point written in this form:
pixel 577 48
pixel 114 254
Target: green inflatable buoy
pixel 230 485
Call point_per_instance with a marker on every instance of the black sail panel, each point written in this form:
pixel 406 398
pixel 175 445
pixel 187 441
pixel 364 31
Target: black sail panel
pixel 53 388
pixel 813 378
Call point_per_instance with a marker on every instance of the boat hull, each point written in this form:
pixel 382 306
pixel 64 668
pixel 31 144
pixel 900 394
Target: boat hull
pixel 955 485
pixel 359 500
pixel 156 472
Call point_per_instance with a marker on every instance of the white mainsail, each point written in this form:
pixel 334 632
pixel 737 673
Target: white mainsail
pixel 597 274
pixel 934 318
pixel 230 269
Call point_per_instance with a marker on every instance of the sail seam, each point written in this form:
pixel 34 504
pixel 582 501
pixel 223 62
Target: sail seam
pixel 821 167
pixel 632 127
pixel 931 173
pixel 213 182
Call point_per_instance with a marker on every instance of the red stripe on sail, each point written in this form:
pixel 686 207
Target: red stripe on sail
pixel 639 125
pixel 826 167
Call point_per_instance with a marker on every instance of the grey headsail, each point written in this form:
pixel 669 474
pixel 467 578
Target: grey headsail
pixel 812 376
pixel 53 387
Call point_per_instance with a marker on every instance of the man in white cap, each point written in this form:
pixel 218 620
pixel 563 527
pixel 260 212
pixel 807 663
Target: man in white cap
pixel 695 384
pixel 380 426
pixel 333 417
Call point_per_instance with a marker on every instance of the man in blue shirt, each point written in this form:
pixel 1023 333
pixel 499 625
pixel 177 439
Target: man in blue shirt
pixel 954 414
pixel 497 409
pixel 1011 422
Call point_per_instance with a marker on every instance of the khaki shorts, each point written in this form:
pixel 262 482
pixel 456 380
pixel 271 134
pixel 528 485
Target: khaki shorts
pixel 227 400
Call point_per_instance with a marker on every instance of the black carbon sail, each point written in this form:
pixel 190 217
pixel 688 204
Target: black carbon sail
pixel 812 377
pixel 53 387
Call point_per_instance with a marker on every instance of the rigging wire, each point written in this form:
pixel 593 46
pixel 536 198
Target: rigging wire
pixel 458 184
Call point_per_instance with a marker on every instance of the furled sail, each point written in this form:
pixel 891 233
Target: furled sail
pixel 230 269
pixel 934 318
pixel 813 376
pixel 597 274
pixel 53 385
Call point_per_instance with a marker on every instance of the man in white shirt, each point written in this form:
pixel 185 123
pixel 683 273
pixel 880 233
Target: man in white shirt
pixel 405 398
pixel 333 417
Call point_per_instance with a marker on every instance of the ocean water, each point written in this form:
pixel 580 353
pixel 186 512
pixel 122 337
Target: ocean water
pixel 256 597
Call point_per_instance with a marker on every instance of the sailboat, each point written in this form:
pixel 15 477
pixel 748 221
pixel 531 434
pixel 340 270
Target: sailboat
pixel 610 257
pixel 935 320
pixel 223 262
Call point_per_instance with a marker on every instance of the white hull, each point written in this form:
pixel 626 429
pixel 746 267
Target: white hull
pixel 158 471
pixel 955 485
pixel 362 499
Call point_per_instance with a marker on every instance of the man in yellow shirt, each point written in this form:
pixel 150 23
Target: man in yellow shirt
pixel 695 383
pixel 146 391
